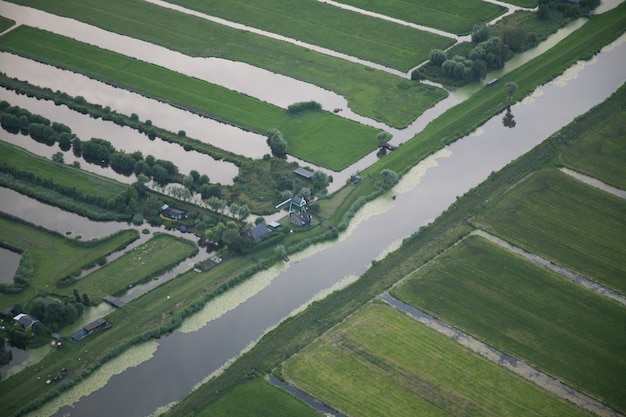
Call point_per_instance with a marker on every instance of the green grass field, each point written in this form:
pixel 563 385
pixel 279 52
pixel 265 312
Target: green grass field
pixel 380 362
pixel 5 23
pixel 309 134
pixel 529 312
pixel 456 16
pixel 566 221
pixel 140 264
pixel 258 398
pixel 602 153
pixel 55 256
pixel 65 175
pixel 376 40
pixel 376 94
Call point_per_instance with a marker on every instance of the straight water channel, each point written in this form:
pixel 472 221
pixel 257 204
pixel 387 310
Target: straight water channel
pixel 209 340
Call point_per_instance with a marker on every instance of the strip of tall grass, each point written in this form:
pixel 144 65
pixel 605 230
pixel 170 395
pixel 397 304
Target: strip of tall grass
pixel 381 362
pixel 372 93
pixel 5 23
pixel 310 134
pixel 528 312
pixel 434 13
pixel 567 221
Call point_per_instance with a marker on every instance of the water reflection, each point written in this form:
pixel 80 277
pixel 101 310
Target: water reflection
pixel 9 261
pixel 508 120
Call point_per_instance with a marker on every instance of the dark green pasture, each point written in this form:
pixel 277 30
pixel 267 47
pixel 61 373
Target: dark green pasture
pixel 377 40
pixel 454 16
pixel 567 221
pixel 602 153
pixel 528 312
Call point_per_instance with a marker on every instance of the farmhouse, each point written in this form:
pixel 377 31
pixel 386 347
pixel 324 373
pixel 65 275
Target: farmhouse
pixel 25 320
pixel 173 213
pixel 258 232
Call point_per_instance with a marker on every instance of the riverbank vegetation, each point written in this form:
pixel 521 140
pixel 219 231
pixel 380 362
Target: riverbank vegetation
pixel 382 362
pixel 372 93
pixel 321 128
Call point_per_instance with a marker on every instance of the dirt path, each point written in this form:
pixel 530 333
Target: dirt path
pixel 539 378
pixel 595 183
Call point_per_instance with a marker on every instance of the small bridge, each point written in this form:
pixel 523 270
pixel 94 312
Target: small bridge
pixel 114 301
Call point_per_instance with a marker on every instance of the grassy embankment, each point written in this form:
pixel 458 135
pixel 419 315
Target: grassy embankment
pixel 527 312
pixel 54 256
pixel 382 362
pixel 390 99
pixel 309 134
pixel 566 221
pixel 434 13
pixel 297 332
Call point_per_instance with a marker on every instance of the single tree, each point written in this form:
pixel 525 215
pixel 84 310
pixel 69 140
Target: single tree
pixel 510 88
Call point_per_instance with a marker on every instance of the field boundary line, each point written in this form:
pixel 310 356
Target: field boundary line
pixel 594 182
pixel 545 381
pixel 538 260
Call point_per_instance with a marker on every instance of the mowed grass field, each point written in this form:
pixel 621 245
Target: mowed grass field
pixel 380 362
pixel 453 16
pixel 385 97
pixel 310 134
pixel 528 312
pixel 566 221
pixel 55 256
pixel 140 264
pixel 602 153
pixel 377 40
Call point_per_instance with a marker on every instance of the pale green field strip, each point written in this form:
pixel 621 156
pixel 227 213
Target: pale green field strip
pixel 453 16
pixel 55 256
pixel 375 40
pixel 375 94
pixel 137 265
pixel 258 397
pixel 527 312
pixel 566 221
pixel 602 153
pixel 381 362
pixel 82 181
pixel 310 134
